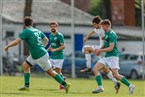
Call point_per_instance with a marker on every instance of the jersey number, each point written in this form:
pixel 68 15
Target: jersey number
pixel 39 42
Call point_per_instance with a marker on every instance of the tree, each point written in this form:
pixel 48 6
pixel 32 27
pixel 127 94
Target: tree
pixel 101 8
pixel 28 8
pixel 106 9
pixel 138 11
pixel 27 12
pixel 95 8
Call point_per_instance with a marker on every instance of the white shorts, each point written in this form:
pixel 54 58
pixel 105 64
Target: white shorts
pixel 43 62
pixel 57 63
pixel 111 62
pixel 93 47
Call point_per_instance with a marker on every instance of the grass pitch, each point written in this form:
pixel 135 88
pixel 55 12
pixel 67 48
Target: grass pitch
pixel 48 87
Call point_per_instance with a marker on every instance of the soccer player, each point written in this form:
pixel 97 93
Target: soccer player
pixel 57 48
pixel 87 50
pixel 111 58
pixel 36 42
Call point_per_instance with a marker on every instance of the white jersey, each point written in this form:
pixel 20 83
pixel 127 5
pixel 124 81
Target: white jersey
pixel 100 32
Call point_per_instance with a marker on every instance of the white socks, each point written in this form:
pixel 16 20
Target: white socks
pixel 110 76
pixel 100 87
pixel 88 58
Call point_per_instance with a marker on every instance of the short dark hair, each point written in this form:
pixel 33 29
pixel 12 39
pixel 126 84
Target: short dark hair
pixel 28 21
pixel 106 22
pixel 97 19
pixel 53 23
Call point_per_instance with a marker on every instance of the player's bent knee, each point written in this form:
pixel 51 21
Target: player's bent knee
pixel 95 71
pixel 51 72
pixel 25 65
pixel 83 50
pixel 86 49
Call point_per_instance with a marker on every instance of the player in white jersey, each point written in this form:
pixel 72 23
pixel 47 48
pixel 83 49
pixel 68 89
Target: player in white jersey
pixel 88 50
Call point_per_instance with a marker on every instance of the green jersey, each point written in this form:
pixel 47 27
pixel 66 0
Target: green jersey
pixel 34 40
pixel 55 42
pixel 111 37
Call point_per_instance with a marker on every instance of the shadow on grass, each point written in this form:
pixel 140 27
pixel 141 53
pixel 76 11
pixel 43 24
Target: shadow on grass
pixel 13 93
pixel 79 92
pixel 46 89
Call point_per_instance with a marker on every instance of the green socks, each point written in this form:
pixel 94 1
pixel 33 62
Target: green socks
pixel 59 79
pixel 27 79
pixel 125 81
pixel 63 77
pixel 99 80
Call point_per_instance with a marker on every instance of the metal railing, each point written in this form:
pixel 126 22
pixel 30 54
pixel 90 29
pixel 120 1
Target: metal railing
pixel 143 37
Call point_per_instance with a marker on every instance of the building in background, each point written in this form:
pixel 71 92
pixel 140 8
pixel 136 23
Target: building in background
pixel 80 4
pixel 123 12
pixel 42 15
pixel 57 10
pixel 120 12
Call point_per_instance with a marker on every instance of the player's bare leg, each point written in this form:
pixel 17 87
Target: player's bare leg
pixel 110 76
pixel 87 51
pixel 123 80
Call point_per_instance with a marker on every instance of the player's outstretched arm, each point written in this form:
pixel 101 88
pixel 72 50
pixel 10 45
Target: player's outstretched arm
pixel 89 35
pixel 13 43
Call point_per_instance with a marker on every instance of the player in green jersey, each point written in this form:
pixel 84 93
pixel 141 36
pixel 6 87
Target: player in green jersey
pixel 111 58
pixel 89 49
pixel 36 42
pixel 57 48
